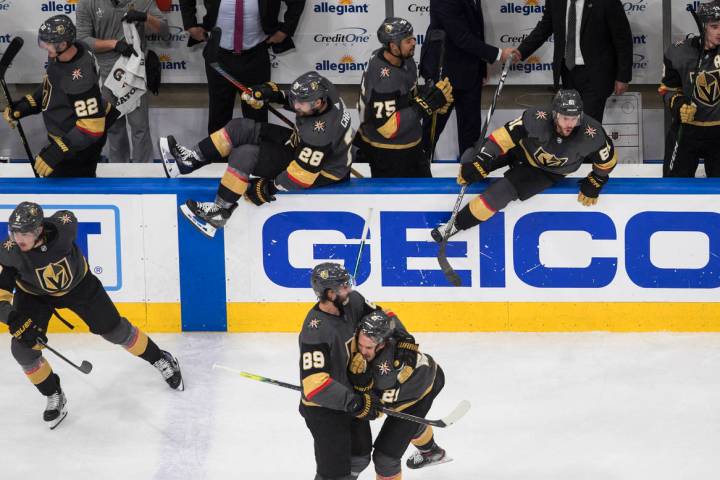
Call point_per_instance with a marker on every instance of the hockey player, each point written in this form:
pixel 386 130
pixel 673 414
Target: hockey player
pixel 696 110
pixel 410 388
pixel 391 106
pixel 332 409
pixel 279 158
pixel 43 265
pixel 75 114
pixel 541 147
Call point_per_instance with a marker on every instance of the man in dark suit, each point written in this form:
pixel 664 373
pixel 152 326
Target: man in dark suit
pixel 593 48
pixel 249 28
pixel 466 59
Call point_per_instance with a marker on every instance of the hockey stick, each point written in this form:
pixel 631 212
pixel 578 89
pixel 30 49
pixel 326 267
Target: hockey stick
pixel 7 58
pixel 85 366
pixel 701 29
pixel 450 274
pixel 366 228
pixel 439 37
pixel 446 421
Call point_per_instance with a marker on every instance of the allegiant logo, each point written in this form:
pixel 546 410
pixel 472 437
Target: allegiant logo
pixel 52 6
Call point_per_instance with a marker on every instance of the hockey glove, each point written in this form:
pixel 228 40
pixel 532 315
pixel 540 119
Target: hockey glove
pixel 24 329
pixel 22 108
pixel 683 108
pixel 359 375
pixel 406 352
pixel 474 167
pixel 134 16
pixel 366 406
pixel 268 92
pixel 590 187
pixel 48 159
pixel 124 49
pixel 261 190
pixel 434 98
pixel 11 116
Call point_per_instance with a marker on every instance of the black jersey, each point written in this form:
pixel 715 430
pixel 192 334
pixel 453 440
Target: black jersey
pixel 69 98
pixel 402 386
pixel 54 268
pixel 388 120
pixel 680 64
pixel 534 134
pixel 322 147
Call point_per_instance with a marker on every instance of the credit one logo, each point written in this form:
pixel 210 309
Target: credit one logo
pixel 343 36
pixel 397 252
pixel 98 237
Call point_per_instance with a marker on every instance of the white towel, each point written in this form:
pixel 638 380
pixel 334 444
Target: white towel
pixel 127 77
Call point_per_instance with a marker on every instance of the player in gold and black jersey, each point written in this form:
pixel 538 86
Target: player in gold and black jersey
pixel 334 412
pixel 75 114
pixel 410 387
pixel 540 147
pixel 44 267
pixel 693 98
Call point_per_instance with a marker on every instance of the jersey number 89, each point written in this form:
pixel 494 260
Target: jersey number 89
pixel 310 156
pixel 314 359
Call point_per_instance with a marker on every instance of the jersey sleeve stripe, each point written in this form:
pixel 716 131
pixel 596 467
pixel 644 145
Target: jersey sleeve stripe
pixel 95 127
pixel 391 127
pixel 300 176
pixel 501 137
pixel 316 383
pixel 6 296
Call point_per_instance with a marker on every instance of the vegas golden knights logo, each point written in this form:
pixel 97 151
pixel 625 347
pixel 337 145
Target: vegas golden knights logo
pixel 707 88
pixel 55 277
pixel 46 92
pixel 548 159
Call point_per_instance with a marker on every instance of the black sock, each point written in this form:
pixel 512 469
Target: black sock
pixel 465 219
pixel 50 385
pixel 152 352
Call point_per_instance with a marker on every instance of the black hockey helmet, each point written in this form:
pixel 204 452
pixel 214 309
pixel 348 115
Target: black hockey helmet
pixel 377 325
pixel 57 29
pixel 308 87
pixel 26 217
pixel 569 103
pixel 709 12
pixel 329 276
pixel 394 29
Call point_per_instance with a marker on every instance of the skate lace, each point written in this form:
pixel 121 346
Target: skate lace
pixel 165 368
pixel 53 402
pixel 208 207
pixel 185 153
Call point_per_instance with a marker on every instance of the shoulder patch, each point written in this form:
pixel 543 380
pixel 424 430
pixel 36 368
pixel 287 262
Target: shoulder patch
pixel 385 72
pixel 8 245
pixel 314 323
pixel 590 131
pixel 541 115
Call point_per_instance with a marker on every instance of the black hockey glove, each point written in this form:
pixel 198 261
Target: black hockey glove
pixel 590 187
pixel 261 190
pixel 124 48
pixel 359 375
pixel 24 329
pixel 434 98
pixel 48 159
pixel 474 167
pixel 366 406
pixel 21 108
pixel 406 352
pixel 134 16
pixel 268 92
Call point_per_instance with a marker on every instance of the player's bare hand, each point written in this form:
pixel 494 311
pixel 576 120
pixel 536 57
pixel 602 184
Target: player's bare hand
pixel 197 33
pixel 620 87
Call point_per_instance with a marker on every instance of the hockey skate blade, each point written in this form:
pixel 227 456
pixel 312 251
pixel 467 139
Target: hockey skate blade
pixel 168 161
pixel 54 424
pixel 205 228
pixel 445 459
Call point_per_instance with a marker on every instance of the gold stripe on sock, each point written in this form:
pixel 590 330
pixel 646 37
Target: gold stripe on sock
pixel 221 141
pixel 234 181
pixel 425 437
pixel 480 209
pixel 40 372
pixel 138 343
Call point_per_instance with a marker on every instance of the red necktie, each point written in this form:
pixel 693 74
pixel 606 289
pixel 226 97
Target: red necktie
pixel 238 38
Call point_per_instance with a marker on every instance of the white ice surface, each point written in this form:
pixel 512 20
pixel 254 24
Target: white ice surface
pixel 545 407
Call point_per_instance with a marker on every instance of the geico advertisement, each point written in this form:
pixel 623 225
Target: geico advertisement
pixel 117 241
pixel 550 248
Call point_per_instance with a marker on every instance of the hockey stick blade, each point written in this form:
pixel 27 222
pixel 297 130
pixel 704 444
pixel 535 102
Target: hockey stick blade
pixel 459 412
pixel 85 366
pixel 447 269
pixel 9 55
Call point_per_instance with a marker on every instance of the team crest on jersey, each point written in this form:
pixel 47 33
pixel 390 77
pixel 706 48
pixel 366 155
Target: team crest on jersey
pixel 56 276
pixel 707 88
pixel 384 368
pixel 548 159
pixel 385 72
pixel 590 131
pixel 77 74
pixel 319 126
pixel 46 92
pixel 540 115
